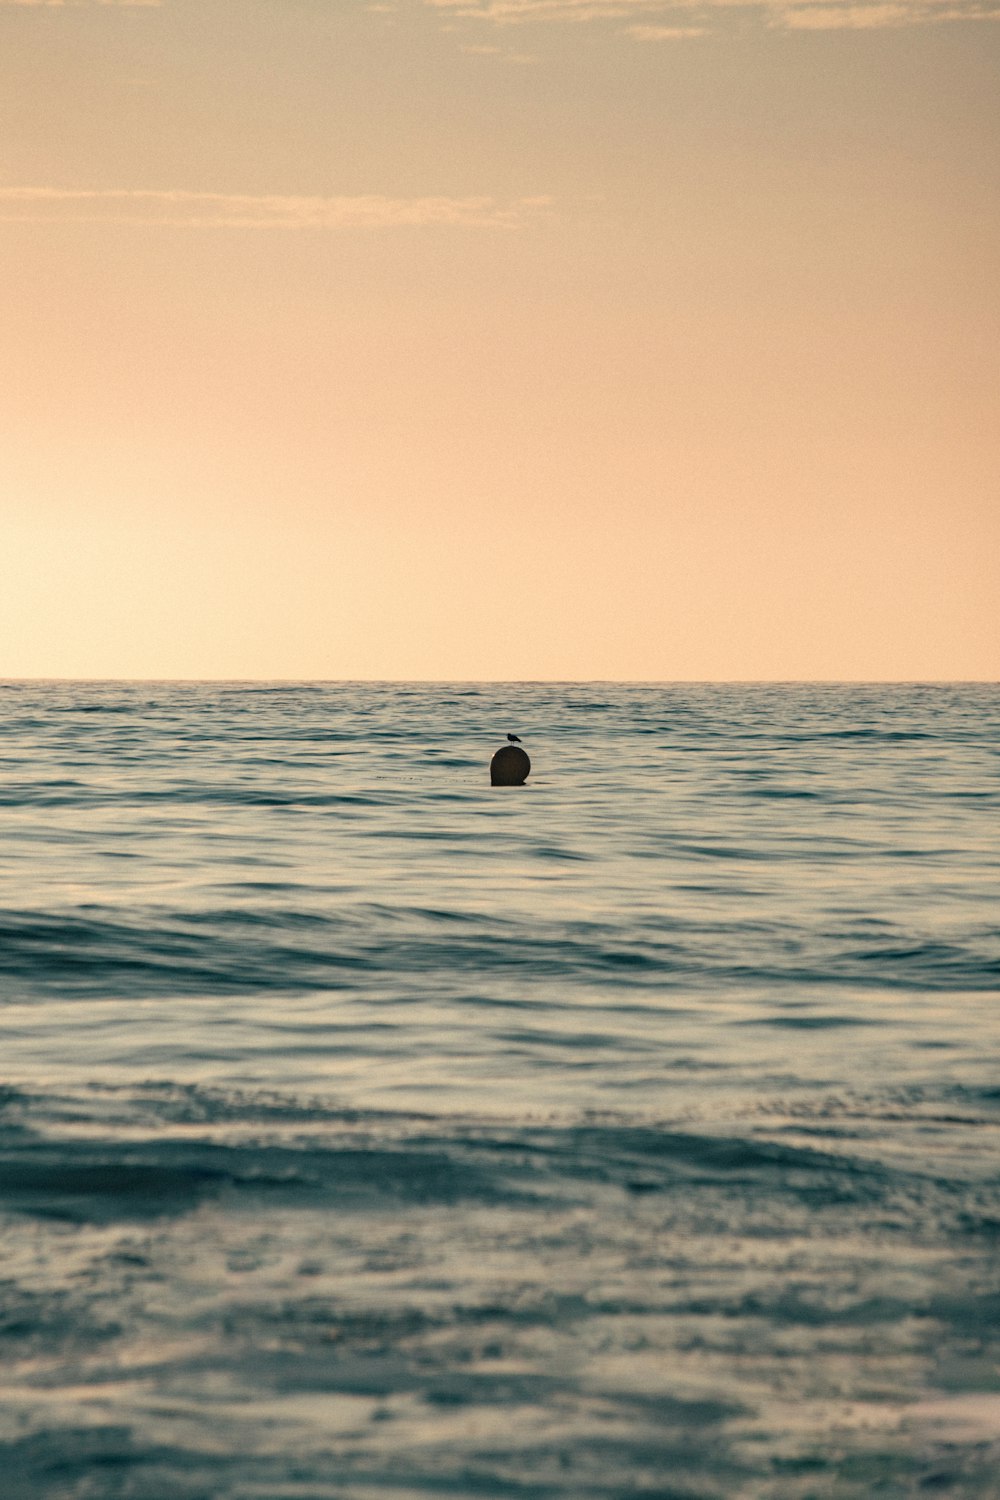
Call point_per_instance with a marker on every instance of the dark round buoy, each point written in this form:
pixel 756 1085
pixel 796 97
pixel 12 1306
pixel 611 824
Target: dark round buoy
pixel 510 766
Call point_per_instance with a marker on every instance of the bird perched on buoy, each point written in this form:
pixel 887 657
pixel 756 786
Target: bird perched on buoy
pixel 514 739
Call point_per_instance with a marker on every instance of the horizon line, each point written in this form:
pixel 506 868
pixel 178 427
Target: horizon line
pixel 523 681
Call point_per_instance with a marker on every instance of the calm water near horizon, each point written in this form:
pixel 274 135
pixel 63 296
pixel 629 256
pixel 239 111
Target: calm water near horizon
pixel 370 1133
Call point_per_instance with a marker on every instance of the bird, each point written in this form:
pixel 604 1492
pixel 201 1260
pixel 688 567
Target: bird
pixel 514 739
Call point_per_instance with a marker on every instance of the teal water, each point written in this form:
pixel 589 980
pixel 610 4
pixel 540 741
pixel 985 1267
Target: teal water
pixel 367 1131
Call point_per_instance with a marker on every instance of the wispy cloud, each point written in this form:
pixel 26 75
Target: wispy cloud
pixel 67 4
pixel 646 32
pixel 257 211
pixel 844 17
pixel 849 17
pixel 671 20
pixel 518 12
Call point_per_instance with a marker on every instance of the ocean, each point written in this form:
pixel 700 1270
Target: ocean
pixel 371 1133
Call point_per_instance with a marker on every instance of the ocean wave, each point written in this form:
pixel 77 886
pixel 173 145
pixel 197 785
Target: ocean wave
pixel 288 949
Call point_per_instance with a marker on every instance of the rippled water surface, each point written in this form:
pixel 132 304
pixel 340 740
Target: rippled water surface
pixel 373 1134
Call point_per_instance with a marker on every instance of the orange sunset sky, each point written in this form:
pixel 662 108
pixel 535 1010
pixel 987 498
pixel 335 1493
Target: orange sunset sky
pixel 500 339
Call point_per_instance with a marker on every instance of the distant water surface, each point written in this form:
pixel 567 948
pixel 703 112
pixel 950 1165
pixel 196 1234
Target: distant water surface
pixel 370 1133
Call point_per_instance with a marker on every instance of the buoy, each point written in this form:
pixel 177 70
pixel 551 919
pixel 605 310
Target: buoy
pixel 510 766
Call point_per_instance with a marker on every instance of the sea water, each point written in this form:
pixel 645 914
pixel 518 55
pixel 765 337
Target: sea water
pixel 370 1133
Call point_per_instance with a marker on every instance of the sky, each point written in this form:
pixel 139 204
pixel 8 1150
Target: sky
pixel 500 339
